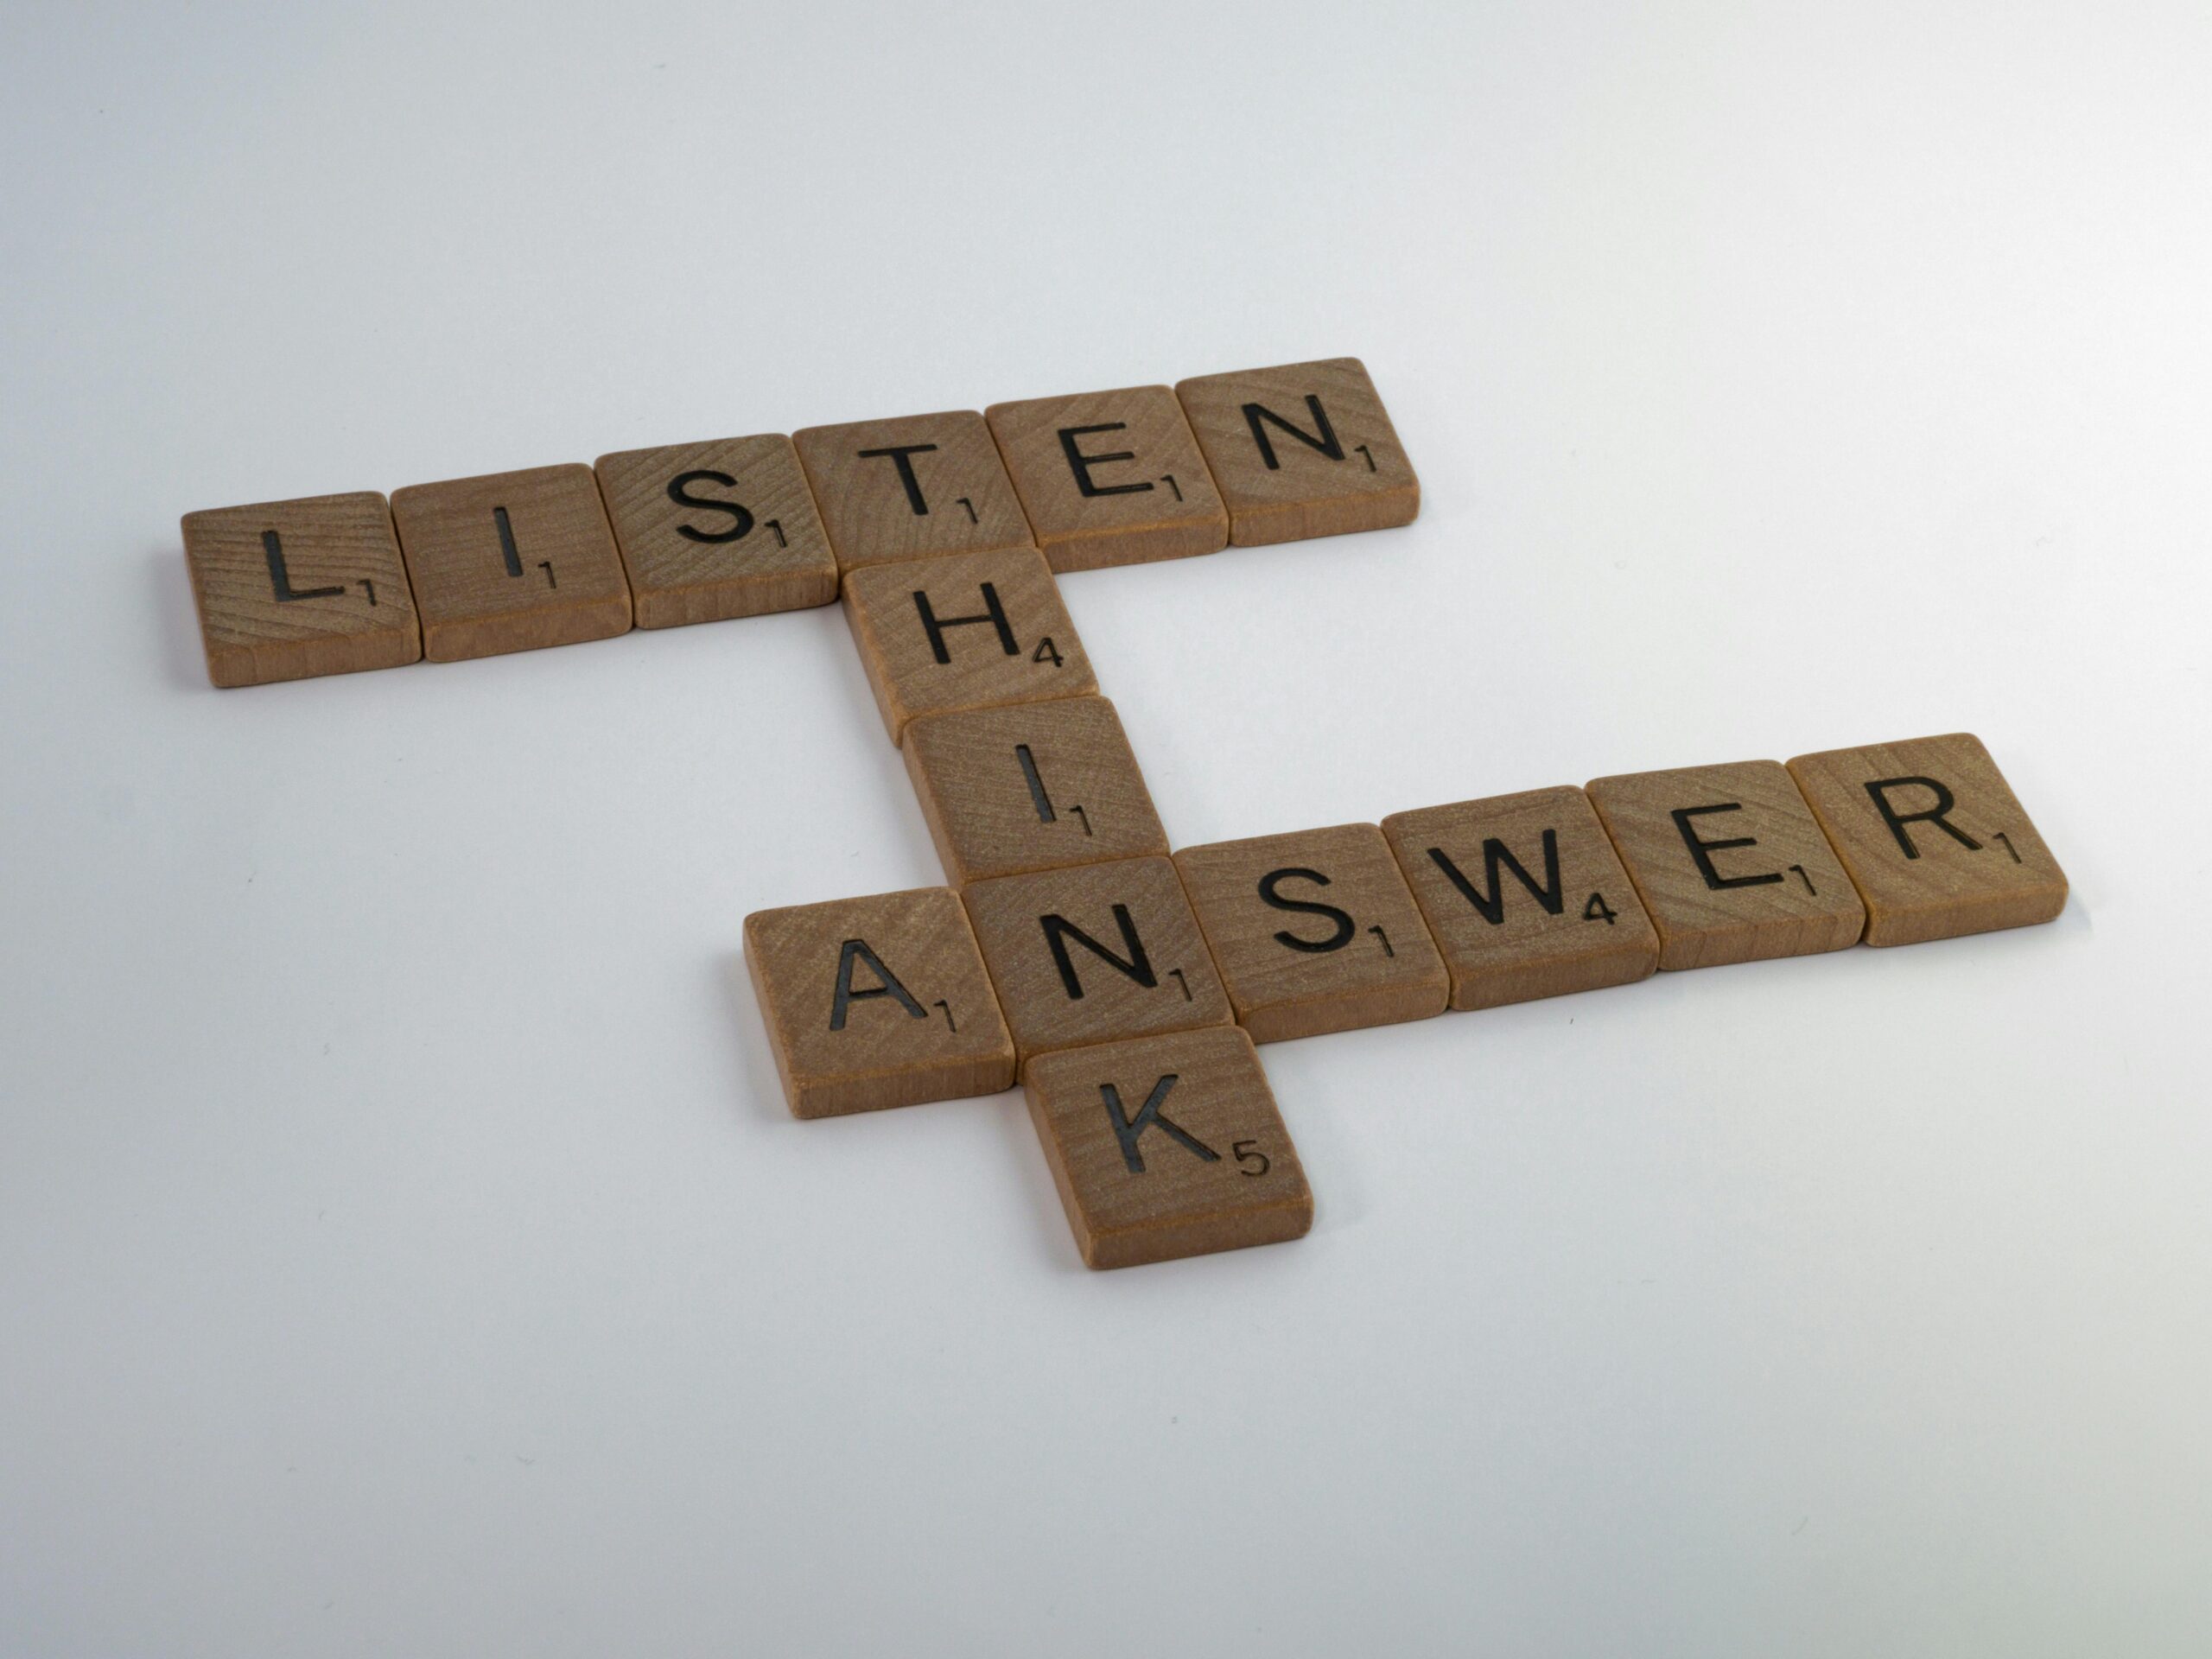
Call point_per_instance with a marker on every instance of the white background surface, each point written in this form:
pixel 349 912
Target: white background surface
pixel 404 1249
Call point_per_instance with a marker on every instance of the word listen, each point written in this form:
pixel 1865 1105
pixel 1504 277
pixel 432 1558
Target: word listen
pixel 731 527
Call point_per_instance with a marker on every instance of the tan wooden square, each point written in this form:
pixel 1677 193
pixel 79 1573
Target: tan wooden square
pixel 1304 450
pixel 1934 838
pixel 1729 864
pixel 1167 1147
pixel 1111 477
pixel 1313 932
pixel 511 561
pixel 1030 786
pixel 1524 895
pixel 967 631
pixel 911 488
pixel 713 530
pixel 287 589
pixel 877 1001
pixel 1094 954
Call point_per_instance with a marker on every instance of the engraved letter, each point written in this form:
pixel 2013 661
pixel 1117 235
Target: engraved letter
pixel 1130 1130
pixel 1081 464
pixel 1340 934
pixel 1934 815
pixel 1702 851
pixel 1326 443
pixel 1138 966
pixel 857 950
pixel 899 453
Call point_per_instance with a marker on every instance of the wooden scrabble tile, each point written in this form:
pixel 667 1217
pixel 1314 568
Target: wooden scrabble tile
pixel 1167 1147
pixel 1030 786
pixel 911 488
pixel 1304 450
pixel 1313 932
pixel 1934 838
pixel 713 530
pixel 1095 953
pixel 1524 895
pixel 1729 864
pixel 1111 477
pixel 511 561
pixel 877 1001
pixel 287 589
pixel 967 631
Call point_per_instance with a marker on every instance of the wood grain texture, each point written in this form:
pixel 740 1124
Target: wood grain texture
pixel 1094 954
pixel 966 631
pixel 1934 838
pixel 1111 477
pixel 287 589
pixel 911 488
pixel 756 546
pixel 1030 786
pixel 552 576
pixel 1729 864
pixel 1167 1147
pixel 1524 895
pixel 875 1003
pixel 1313 932
pixel 1299 450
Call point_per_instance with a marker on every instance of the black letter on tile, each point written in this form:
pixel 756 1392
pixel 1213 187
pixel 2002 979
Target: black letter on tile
pixel 1326 443
pixel 992 613
pixel 1039 797
pixel 1490 905
pixel 1702 851
pixel 508 550
pixel 899 454
pixel 679 492
pixel 1898 820
pixel 280 578
pixel 1081 464
pixel 1130 1130
pixel 1059 930
pixel 1337 939
pixel 857 950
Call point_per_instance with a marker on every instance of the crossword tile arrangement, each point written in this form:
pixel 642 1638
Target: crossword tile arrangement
pixel 1122 983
